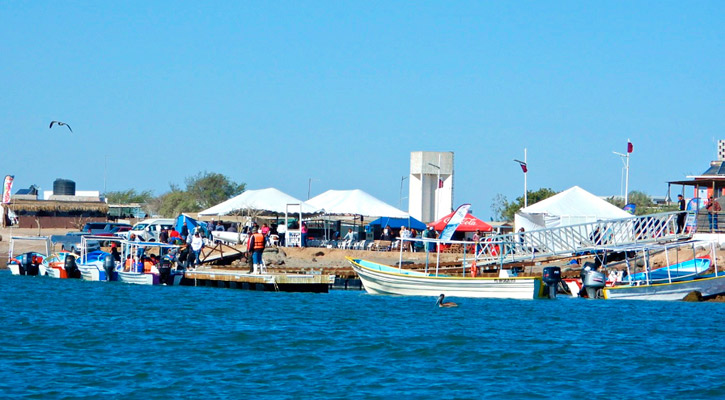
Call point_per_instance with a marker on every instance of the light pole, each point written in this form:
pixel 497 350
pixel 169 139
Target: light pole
pixel 625 161
pixel 309 186
pixel 400 201
pixel 525 168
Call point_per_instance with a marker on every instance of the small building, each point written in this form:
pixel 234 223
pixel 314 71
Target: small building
pixel 126 211
pixel 64 207
pixel 56 213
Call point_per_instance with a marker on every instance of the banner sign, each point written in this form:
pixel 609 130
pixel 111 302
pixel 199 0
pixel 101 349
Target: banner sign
pixel 7 188
pixel 456 220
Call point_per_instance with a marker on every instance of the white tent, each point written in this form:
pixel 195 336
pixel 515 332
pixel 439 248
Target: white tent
pixel 354 202
pixel 269 200
pixel 570 207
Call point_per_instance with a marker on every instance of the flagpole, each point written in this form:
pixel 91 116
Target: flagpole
pixel 526 192
pixel 626 180
pixel 438 186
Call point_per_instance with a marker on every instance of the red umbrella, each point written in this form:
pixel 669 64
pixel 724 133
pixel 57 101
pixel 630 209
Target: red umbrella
pixel 469 224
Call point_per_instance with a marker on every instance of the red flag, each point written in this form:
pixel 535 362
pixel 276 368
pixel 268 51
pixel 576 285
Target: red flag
pixel 440 183
pixel 629 147
pixel 523 168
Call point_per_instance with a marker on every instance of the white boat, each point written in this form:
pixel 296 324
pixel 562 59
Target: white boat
pixel 384 279
pixel 98 265
pixel 138 269
pixel 672 282
pixel 707 286
pixel 29 263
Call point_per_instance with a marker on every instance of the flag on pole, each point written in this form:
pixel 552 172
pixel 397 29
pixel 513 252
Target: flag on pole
pixel 523 165
pixel 7 188
pixel 453 223
pixel 440 183
pixel 630 147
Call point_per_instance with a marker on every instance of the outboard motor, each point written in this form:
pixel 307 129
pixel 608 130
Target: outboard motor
pixel 25 264
pixel 592 280
pixel 551 277
pixel 164 270
pixel 109 265
pixel 71 269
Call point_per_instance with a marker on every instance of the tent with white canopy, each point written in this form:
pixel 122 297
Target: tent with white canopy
pixel 269 201
pixel 570 207
pixel 354 202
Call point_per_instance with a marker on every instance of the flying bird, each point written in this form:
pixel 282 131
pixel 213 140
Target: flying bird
pixel 60 124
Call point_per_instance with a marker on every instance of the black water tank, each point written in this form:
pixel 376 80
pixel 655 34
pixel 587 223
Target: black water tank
pixel 64 187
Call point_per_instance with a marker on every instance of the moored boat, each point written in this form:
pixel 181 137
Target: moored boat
pixel 383 279
pixel 140 267
pixel 31 262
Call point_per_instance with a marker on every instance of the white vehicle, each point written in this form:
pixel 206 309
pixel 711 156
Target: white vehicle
pixel 148 230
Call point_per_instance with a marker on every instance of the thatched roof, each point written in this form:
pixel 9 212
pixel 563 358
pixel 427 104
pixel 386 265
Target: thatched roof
pixel 59 206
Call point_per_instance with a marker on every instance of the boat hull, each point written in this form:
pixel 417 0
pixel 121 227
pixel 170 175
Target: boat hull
pixel 383 280
pixel 137 278
pixel 172 279
pixel 92 272
pixel 667 291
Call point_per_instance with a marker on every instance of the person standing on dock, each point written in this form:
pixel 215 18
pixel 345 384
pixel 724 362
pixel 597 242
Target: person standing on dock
pixel 713 207
pixel 256 247
pixel 303 235
pixel 196 244
pixel 681 216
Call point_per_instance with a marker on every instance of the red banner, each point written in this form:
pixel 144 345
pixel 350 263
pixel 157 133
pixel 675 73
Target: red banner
pixel 7 188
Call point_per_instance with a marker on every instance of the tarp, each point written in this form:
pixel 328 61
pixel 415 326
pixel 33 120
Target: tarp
pixel 570 207
pixel 396 223
pixel 469 224
pixel 191 224
pixel 354 202
pixel 268 200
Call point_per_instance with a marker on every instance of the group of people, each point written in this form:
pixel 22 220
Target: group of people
pixel 712 206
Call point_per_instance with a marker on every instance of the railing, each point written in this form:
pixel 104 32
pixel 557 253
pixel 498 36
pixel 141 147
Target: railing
pixel 565 240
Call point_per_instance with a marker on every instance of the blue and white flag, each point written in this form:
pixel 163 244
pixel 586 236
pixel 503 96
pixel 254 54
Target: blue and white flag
pixel 453 223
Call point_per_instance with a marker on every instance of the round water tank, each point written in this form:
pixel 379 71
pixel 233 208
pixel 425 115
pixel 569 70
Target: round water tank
pixel 64 187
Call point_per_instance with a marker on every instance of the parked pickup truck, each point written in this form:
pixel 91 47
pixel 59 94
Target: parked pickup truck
pixel 71 241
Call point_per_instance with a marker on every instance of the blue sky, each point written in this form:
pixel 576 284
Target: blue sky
pixel 273 94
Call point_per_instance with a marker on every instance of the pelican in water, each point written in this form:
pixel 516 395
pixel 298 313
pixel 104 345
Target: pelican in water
pixel 440 302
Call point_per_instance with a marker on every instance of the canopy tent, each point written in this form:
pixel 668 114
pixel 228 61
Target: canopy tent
pixel 469 224
pixel 396 223
pixel 570 207
pixel 354 202
pixel 269 201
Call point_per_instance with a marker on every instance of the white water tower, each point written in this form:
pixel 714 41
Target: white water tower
pixel 430 195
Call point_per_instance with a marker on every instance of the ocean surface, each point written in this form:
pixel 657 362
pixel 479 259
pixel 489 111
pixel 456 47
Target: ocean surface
pixel 70 339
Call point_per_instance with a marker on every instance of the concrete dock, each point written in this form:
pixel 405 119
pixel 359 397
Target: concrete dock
pixel 274 282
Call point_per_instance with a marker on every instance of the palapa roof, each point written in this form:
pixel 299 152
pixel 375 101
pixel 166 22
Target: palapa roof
pixel 56 205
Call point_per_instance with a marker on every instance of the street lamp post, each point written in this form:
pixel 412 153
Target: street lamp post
pixel 625 161
pixel 525 168
pixel 309 186
pixel 400 200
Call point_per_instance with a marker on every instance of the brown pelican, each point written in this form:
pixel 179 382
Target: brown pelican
pixel 59 124
pixel 440 302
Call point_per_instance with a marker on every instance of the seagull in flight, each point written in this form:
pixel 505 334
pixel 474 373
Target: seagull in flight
pixel 60 124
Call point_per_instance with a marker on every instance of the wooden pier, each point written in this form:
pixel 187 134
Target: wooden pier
pixel 274 282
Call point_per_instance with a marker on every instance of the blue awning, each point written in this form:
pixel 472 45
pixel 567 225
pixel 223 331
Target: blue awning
pixel 396 223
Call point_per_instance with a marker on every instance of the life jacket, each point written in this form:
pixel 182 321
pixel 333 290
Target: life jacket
pixel 258 241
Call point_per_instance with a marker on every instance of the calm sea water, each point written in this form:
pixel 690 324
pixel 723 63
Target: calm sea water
pixel 84 340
